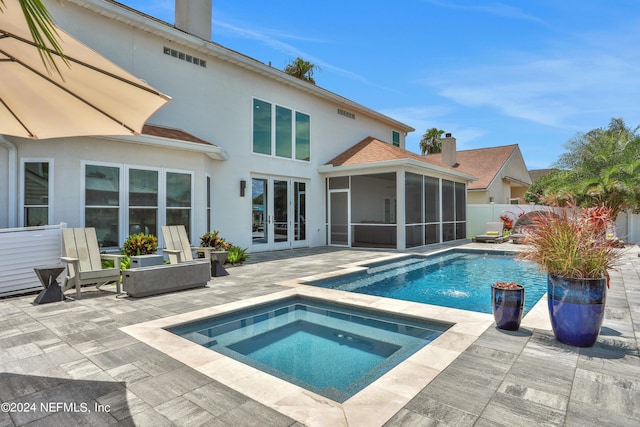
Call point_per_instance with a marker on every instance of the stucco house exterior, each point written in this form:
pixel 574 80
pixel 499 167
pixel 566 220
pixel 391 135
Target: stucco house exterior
pixel 242 148
pixel 502 175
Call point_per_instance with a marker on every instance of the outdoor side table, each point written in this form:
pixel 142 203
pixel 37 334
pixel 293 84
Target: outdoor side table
pixel 48 277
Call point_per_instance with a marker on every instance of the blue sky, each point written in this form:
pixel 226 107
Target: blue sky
pixel 532 73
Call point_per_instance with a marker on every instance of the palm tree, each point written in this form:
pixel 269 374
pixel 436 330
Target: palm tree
pixel 602 167
pixel 430 141
pixel 42 30
pixel 301 69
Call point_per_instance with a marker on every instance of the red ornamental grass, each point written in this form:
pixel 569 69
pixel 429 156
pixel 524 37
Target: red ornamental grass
pixel 573 243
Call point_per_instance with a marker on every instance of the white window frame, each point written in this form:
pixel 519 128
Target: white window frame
pixel 273 131
pixel 51 198
pixel 123 200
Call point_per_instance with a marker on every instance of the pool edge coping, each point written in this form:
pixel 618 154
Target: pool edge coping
pixel 373 405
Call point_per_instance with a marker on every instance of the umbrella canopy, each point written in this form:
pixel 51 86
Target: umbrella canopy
pixel 91 96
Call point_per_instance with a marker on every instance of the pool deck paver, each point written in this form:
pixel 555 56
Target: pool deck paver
pixel 74 352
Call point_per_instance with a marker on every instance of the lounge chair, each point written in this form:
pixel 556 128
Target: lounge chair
pixel 493 234
pixel 84 261
pixel 177 245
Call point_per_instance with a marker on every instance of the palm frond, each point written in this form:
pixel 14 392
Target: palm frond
pixel 43 32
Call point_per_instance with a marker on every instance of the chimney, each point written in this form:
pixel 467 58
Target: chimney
pixel 449 150
pixel 194 17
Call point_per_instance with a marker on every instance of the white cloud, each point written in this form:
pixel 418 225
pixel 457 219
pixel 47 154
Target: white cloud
pixel 497 9
pixel 554 88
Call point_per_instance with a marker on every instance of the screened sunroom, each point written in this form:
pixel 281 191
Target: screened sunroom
pixel 397 203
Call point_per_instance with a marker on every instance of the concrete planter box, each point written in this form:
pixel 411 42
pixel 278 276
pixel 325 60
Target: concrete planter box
pixel 152 280
pixel 146 260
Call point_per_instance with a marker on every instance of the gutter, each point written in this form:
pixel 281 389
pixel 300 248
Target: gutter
pixel 12 187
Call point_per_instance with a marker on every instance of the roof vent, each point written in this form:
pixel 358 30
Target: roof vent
pixel 183 56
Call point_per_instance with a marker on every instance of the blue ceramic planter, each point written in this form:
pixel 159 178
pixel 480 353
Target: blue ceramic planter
pixel 508 305
pixel 576 308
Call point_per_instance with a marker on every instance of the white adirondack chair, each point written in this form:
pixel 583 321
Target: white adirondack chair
pixel 84 261
pixel 178 246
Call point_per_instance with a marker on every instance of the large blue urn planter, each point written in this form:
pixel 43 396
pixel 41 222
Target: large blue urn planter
pixel 576 308
pixel 508 305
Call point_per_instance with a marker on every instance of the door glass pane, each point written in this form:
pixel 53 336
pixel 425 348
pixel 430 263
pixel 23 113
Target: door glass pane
pixel 259 210
pixel 280 207
pixel 303 137
pixel 300 200
pixel 339 216
pixel 261 127
pixel 283 132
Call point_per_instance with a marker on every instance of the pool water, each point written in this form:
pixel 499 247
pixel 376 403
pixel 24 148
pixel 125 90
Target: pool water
pixel 331 349
pixel 457 279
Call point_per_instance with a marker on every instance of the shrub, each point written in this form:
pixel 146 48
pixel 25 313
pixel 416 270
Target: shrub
pixel 237 255
pixel 140 244
pixel 213 240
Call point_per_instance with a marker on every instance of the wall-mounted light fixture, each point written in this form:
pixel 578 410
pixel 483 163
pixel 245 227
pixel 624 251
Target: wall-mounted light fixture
pixel 243 186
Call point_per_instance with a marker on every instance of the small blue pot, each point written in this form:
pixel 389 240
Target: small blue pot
pixel 576 308
pixel 508 306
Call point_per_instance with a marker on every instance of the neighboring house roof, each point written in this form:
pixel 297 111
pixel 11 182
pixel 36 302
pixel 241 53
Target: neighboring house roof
pixel 173 35
pixel 371 150
pixel 485 163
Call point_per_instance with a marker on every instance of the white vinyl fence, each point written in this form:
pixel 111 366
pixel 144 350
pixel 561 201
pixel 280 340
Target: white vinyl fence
pixel 627 224
pixel 22 249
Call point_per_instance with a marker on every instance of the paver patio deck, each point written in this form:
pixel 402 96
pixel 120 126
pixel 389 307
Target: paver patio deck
pixel 68 363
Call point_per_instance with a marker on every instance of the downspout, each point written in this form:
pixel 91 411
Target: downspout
pixel 12 187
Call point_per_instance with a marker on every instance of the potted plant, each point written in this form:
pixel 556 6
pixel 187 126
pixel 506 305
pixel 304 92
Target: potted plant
pixel 141 249
pixel 572 247
pixel 507 301
pixel 219 249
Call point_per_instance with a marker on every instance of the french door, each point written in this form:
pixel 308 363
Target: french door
pixel 278 213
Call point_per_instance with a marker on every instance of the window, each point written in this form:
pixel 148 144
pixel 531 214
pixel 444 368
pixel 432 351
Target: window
pixel 121 200
pixel 261 127
pixel 143 201
pixel 274 130
pixel 395 138
pixel 178 200
pixel 283 132
pixel 36 194
pixel 102 203
pixel 302 137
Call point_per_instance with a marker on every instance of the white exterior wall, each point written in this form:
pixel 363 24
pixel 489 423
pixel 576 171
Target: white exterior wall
pixel 213 103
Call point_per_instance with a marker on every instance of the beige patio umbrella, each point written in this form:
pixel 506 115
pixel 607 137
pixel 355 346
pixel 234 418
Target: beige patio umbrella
pixel 91 96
